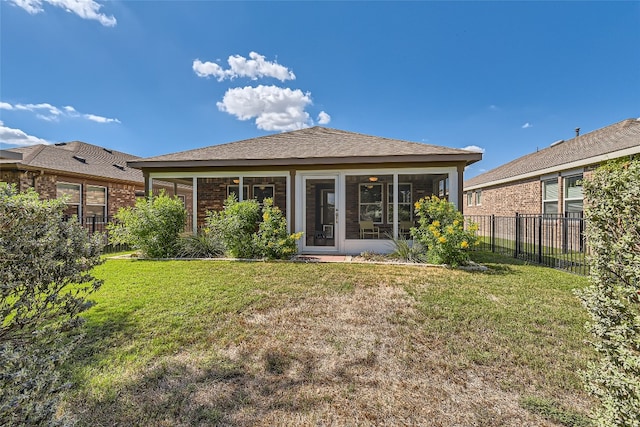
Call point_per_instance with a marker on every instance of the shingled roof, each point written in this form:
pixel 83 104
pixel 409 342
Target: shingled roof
pixel 622 138
pixel 315 145
pixel 76 158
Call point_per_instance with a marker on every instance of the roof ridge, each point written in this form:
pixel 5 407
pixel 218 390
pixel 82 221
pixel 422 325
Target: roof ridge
pixel 600 141
pixel 32 154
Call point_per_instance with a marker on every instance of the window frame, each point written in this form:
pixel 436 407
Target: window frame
pixel 478 197
pixel 104 206
pixel 78 205
pixel 469 198
pixel 390 202
pixel 264 187
pixel 244 189
pixel 380 203
pixel 443 188
pixel 565 192
pixel 546 201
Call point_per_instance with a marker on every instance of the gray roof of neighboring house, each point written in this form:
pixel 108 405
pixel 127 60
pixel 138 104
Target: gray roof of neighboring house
pixel 76 158
pixel 310 145
pixel 591 147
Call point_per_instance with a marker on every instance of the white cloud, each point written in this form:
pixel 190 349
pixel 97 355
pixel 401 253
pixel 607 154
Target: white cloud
pixel 274 108
pixel 85 9
pixel 206 69
pixel 18 137
pixel 99 119
pixel 323 118
pixel 474 148
pixel 493 107
pixel 51 113
pixel 527 125
pixel 239 66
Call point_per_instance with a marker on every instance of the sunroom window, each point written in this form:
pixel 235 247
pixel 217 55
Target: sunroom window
pixel 371 202
pixel 405 205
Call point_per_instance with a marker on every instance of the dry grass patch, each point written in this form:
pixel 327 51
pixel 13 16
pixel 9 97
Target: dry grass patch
pixel 341 345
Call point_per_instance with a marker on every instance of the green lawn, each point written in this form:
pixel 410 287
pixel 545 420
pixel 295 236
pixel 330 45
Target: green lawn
pixel 240 343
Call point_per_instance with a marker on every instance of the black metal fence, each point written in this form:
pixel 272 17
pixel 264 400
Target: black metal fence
pixel 556 241
pixel 98 224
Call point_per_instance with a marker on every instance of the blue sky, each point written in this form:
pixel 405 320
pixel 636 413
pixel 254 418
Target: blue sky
pixel 155 77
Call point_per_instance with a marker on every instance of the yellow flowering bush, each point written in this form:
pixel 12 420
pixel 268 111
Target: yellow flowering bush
pixel 272 240
pixel 442 231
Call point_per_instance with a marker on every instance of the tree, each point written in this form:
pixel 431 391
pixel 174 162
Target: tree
pixel 613 299
pixel 153 225
pixel 45 265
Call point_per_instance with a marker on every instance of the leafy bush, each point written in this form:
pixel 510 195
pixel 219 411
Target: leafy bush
pixel 153 226
pixel 613 299
pixel 405 251
pixel 45 265
pixel 235 226
pixel 442 232
pixel 272 241
pixel 202 245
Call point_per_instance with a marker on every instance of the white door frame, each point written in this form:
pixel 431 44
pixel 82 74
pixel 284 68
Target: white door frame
pixel 301 217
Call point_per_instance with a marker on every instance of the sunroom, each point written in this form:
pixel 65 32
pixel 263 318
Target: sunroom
pixel 347 192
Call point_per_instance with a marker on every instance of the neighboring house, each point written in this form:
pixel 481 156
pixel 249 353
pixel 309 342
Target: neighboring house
pixel 96 180
pixel 337 187
pixel 549 181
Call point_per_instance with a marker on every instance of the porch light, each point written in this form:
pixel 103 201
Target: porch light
pixel 236 181
pixel 373 178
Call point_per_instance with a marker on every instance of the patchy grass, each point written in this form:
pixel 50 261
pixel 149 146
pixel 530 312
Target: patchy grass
pixel 232 343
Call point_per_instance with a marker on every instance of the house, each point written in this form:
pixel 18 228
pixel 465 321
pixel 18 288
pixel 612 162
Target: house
pixel 337 187
pixel 96 180
pixel 549 181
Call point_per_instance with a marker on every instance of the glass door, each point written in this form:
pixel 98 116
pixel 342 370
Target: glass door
pixel 320 213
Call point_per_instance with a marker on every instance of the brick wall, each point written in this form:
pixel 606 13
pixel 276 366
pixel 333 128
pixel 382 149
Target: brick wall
pixel 118 194
pixel 212 192
pixel 524 197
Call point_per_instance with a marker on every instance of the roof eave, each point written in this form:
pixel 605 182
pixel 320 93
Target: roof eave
pixel 467 158
pixel 558 168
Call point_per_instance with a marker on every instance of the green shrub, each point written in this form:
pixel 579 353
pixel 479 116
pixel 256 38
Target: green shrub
pixel 153 226
pixel 442 231
pixel 404 250
pixel 272 241
pixel 235 226
pixel 45 265
pixel 202 245
pixel 613 299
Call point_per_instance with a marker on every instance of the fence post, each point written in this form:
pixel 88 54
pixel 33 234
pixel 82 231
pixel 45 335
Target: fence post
pixel 540 222
pixel 517 242
pixel 93 225
pixel 493 233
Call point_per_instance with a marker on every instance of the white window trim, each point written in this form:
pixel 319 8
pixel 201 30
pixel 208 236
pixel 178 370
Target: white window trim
pixel 264 186
pixel 469 196
pixel 239 196
pixel 391 204
pixel 556 200
pixel 381 202
pixel 565 188
pixel 478 194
